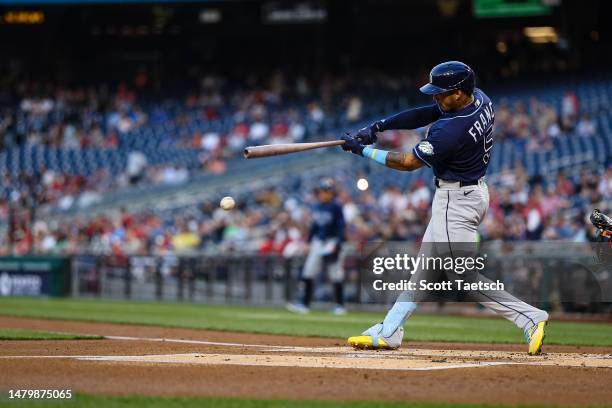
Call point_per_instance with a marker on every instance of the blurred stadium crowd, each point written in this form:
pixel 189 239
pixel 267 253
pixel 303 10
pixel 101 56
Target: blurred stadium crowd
pixel 59 143
pixel 66 147
pixel 278 223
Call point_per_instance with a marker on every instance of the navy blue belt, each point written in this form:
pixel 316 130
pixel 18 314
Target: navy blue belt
pixel 461 183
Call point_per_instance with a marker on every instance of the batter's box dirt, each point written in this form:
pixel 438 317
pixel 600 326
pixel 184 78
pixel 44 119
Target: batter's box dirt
pixel 275 360
pixel 473 356
pixel 344 358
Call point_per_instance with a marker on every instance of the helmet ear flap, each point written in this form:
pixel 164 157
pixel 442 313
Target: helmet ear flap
pixel 469 83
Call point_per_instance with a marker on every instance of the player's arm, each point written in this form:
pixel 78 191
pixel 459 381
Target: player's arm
pixel 412 118
pixel 341 224
pixel 408 119
pixel 403 161
pixel 438 146
pixel 396 160
pixel 312 231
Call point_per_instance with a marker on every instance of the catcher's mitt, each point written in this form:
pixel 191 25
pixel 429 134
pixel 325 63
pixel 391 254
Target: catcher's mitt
pixel 602 222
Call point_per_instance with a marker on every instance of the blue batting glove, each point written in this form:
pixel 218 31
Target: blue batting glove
pixel 352 145
pixel 367 135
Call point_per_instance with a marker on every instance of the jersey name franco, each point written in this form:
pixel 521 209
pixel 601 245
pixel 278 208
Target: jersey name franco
pixel 458 145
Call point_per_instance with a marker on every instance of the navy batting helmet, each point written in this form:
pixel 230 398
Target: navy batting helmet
pixel 326 184
pixel 449 76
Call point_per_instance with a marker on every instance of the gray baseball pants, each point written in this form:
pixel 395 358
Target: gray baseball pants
pixel 456 214
pixel 314 261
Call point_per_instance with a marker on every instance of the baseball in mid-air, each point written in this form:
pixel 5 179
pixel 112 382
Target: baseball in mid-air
pixel 362 184
pixel 227 203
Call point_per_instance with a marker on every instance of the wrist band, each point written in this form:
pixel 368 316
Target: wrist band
pixel 379 156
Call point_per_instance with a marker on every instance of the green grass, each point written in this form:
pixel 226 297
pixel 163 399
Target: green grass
pixel 278 321
pixel 94 401
pixel 22 334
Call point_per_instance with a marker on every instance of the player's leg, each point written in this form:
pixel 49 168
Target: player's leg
pixel 312 267
pixel 531 320
pixel 335 271
pixel 390 332
pixel 463 214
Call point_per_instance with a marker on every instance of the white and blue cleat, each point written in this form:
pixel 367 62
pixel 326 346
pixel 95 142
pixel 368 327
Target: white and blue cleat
pixel 373 339
pixel 338 310
pixel 298 308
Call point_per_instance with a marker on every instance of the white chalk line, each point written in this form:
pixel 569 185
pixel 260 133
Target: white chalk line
pixel 248 360
pixel 204 342
pixel 257 361
pixel 85 357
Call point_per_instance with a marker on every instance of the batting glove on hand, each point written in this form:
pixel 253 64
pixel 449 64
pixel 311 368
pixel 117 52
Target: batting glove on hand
pixel 367 135
pixel 352 145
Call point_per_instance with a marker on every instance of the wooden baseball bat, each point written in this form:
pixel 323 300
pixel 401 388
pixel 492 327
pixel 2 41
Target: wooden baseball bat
pixel 254 152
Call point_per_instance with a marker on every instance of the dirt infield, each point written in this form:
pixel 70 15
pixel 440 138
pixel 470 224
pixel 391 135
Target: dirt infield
pixel 167 361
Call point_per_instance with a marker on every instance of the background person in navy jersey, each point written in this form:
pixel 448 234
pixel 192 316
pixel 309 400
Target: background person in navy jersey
pixel 325 249
pixel 458 149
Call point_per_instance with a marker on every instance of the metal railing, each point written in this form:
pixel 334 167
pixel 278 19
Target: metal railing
pixel 268 279
pixel 554 280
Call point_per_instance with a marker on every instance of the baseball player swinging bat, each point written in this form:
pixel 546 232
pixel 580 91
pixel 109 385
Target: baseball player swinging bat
pixel 254 152
pixel 458 148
